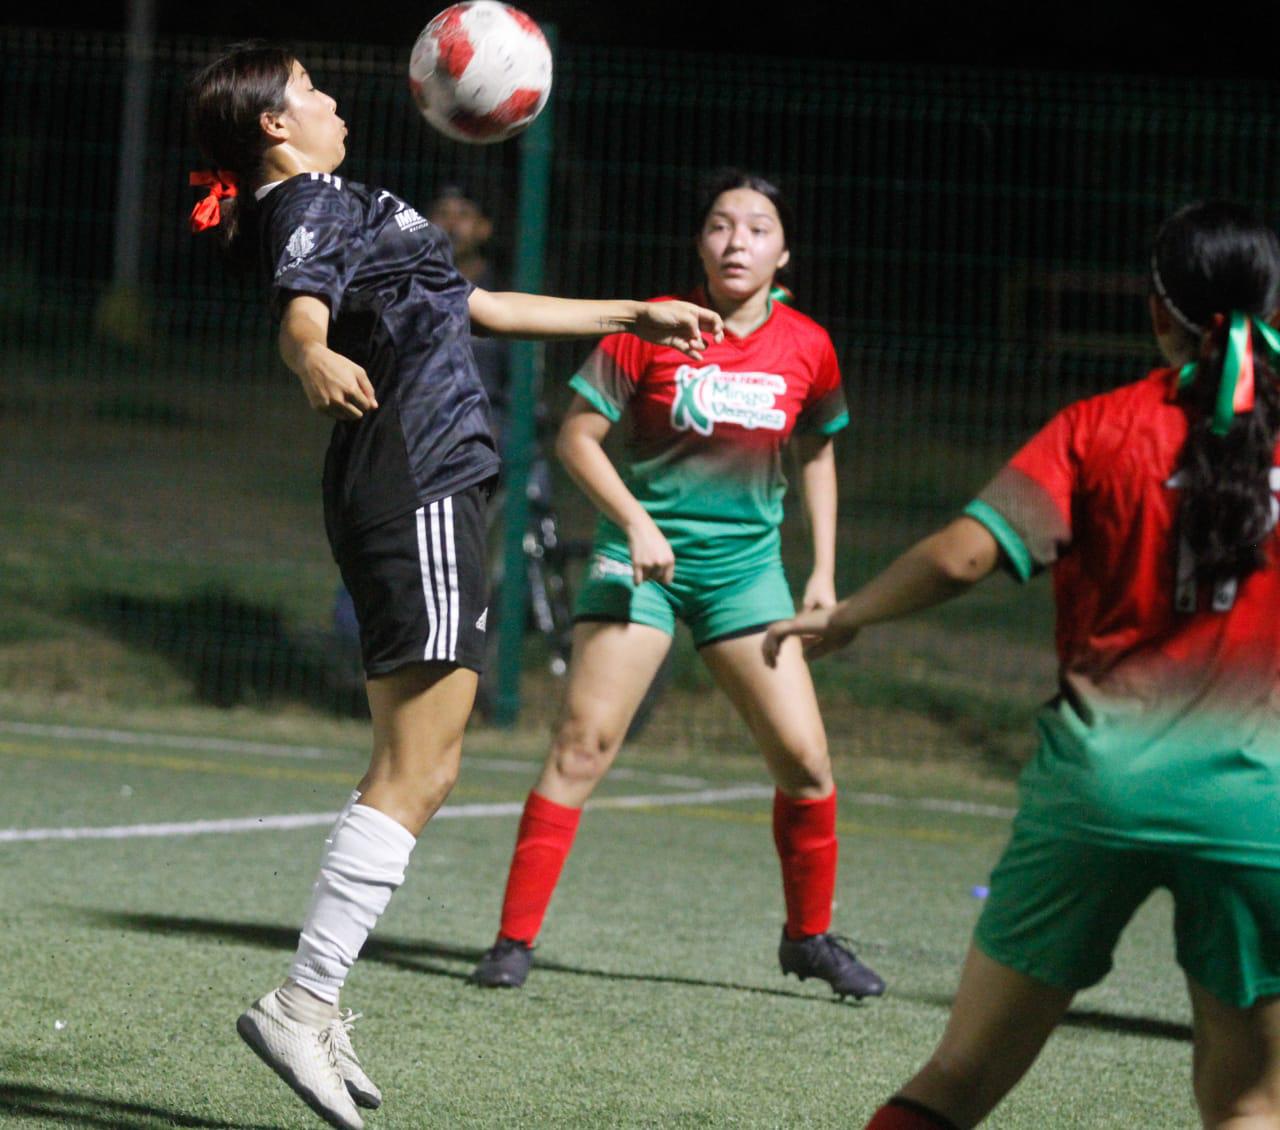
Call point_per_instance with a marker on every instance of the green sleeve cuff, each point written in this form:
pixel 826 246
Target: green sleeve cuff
pixel 1015 549
pixel 595 398
pixel 835 424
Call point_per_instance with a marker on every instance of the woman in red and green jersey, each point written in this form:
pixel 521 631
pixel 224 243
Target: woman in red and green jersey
pixel 689 531
pixel 1159 759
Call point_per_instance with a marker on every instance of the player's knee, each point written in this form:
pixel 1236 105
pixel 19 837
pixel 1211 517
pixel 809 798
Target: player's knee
pixel 582 753
pixel 429 785
pixel 806 773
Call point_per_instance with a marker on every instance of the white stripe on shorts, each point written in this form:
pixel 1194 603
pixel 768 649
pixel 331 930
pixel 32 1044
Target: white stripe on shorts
pixel 451 563
pixel 428 593
pixel 438 563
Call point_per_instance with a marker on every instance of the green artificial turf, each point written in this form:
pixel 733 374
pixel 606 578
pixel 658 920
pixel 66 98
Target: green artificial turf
pixel 655 998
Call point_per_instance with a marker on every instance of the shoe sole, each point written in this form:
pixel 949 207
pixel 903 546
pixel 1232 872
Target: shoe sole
pixel 250 1035
pixel 366 1099
pixel 506 983
pixel 362 1098
pixel 842 996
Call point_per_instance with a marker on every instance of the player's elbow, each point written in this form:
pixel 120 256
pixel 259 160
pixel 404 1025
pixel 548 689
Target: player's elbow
pixel 962 553
pixel 957 565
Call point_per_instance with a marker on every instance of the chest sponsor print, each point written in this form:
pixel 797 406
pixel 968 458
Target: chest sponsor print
pixel 707 396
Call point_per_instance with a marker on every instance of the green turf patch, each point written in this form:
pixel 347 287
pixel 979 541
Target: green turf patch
pixel 655 999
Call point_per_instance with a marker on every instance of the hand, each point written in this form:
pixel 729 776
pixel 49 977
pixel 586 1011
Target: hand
pixel 652 558
pixel 336 386
pixel 820 592
pixel 681 325
pixel 820 629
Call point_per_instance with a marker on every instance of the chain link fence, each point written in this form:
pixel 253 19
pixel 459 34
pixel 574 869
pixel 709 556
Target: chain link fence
pixel 975 242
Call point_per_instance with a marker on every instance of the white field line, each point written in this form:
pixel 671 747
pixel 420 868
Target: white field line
pixel 472 811
pixel 931 804
pixel 166 741
pixel 277 749
pixel 323 819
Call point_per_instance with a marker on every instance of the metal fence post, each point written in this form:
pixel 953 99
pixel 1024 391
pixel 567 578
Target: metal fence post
pixel 531 232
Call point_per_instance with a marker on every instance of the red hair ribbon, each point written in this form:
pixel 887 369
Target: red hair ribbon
pixel 208 211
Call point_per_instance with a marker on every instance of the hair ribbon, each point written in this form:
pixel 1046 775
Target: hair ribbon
pixel 1236 385
pixel 208 211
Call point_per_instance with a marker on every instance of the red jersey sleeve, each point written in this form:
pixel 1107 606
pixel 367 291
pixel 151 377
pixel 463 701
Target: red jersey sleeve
pixel 1027 506
pixel 609 376
pixel 825 411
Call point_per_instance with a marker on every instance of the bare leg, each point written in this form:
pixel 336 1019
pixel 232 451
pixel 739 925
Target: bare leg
pixel 419 715
pixel 1236 1068
pixel 780 708
pixel 612 666
pixel 999 1021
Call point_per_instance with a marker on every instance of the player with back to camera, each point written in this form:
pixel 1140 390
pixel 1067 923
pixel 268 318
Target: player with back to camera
pixel 373 319
pixel 689 530
pixel 1159 760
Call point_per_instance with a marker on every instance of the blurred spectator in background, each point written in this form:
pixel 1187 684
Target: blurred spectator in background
pixel 464 219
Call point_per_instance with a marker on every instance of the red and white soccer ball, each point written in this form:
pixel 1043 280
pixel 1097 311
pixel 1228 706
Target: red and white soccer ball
pixel 480 71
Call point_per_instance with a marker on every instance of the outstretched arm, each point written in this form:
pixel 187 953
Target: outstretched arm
pixel 940 567
pixel 579 446
pixel 818 480
pixel 335 385
pixel 681 325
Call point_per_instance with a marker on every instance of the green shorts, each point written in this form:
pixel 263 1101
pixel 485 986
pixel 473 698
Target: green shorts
pixel 715 608
pixel 1057 907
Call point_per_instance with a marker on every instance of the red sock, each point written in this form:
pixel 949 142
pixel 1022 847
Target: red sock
pixel 542 845
pixel 903 1114
pixel 805 834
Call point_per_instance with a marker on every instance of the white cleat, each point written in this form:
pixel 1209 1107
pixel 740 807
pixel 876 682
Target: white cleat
pixel 359 1085
pixel 304 1057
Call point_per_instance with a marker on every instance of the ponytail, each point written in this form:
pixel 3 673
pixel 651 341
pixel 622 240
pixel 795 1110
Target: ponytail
pixel 228 98
pixel 1227 502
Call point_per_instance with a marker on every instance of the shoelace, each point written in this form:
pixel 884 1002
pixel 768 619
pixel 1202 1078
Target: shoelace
pixel 839 947
pixel 347 1019
pixel 330 1046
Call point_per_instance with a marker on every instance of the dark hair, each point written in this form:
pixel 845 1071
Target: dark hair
pixel 727 179
pixel 1210 259
pixel 227 100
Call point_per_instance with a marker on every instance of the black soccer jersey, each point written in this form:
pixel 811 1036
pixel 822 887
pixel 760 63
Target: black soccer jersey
pixel 397 307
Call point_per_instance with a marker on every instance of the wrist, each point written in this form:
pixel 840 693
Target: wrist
pixel 637 521
pixel 620 316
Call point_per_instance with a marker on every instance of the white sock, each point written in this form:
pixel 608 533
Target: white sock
pixel 299 1005
pixel 364 862
pixel 352 801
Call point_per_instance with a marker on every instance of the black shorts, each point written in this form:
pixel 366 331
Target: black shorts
pixel 420 587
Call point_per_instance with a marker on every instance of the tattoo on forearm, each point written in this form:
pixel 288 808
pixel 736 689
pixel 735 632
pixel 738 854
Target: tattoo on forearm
pixel 612 325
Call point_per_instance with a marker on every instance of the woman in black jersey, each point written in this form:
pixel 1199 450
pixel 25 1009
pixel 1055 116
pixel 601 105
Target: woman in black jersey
pixel 374 320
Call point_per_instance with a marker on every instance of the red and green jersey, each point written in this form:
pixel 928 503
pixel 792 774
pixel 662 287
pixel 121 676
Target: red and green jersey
pixel 1167 727
pixel 705 438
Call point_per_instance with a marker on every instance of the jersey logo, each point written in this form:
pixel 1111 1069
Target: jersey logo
pixel 300 245
pixel 709 396
pixel 410 220
pixel 483 622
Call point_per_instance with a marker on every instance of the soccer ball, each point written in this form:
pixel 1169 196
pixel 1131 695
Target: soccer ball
pixel 480 71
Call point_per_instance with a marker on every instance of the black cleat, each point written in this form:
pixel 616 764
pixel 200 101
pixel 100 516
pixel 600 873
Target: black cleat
pixel 828 958
pixel 505 965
